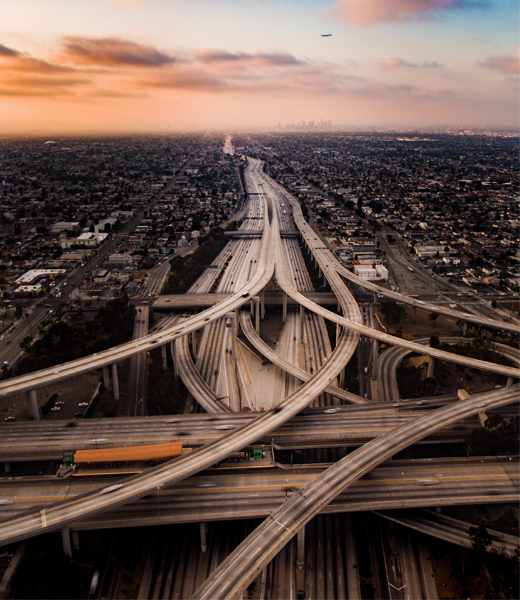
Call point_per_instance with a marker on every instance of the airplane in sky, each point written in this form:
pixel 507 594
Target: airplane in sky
pixel 326 35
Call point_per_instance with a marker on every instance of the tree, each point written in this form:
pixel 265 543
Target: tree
pixel 480 539
pixel 18 311
pixel 434 341
pixel 393 312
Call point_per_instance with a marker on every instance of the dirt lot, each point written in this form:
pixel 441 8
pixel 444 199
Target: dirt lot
pixel 423 326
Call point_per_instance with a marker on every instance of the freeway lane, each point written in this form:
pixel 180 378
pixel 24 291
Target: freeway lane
pixel 275 358
pixel 236 494
pixel 138 486
pixel 245 563
pixel 310 237
pixel 389 361
pixel 261 277
pixel 312 428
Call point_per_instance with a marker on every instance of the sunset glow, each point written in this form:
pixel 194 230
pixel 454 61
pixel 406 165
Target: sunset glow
pixel 158 65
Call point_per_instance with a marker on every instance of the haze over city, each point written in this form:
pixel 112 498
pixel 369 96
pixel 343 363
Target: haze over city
pixel 158 65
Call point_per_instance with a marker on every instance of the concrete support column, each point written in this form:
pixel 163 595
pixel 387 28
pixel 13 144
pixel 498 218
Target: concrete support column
pixel 319 271
pixel 414 309
pixel 262 304
pixel 194 344
pixel 302 317
pixel 7 467
pixel 257 314
pixel 65 538
pixel 115 381
pixel 465 329
pixel 202 528
pixel 431 366
pixel 75 539
pixel 342 378
pixel 174 360
pixel 300 548
pixel 163 355
pixel 106 378
pixel 232 317
pixel 32 403
pixel 510 381
pixel 375 298
pixel 284 316
pixel 375 356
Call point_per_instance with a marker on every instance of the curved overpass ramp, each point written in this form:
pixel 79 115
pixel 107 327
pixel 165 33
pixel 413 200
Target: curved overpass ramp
pixel 233 576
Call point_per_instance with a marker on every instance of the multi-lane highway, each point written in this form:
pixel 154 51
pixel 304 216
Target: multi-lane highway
pixel 246 274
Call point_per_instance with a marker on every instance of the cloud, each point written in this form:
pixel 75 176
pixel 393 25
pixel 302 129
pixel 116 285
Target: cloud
pixel 274 59
pixel 508 64
pixel 112 52
pixel 390 62
pixel 193 79
pixel 367 12
pixel 379 90
pixel 5 51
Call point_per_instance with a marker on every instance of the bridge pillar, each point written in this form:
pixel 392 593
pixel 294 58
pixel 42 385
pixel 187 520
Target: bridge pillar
pixel 106 378
pixel 115 381
pixel 375 353
pixel 431 366
pixel 75 539
pixel 465 333
pixel 163 355
pixel 65 538
pixel 257 314
pixel 414 309
pixel 7 467
pixel 262 304
pixel 302 321
pixel 202 529
pixel 32 403
pixel 284 316
pixel 482 418
pixel 194 343
pixel 509 382
pixel 300 562
pixel 174 360
pixel 342 378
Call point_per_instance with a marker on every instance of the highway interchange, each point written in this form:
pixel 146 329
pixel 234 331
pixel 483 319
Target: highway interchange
pixel 252 263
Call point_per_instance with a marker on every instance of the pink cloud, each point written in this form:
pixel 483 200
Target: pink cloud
pixel 112 52
pixel 267 59
pixel 391 62
pixel 508 64
pixel 368 12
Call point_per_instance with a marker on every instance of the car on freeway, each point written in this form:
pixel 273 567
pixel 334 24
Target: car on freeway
pixel 427 482
pixel 55 408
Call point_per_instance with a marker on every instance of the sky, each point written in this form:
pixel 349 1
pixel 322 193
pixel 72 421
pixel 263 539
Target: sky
pixel 91 66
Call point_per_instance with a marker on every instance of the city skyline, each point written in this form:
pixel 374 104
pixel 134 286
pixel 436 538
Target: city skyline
pixel 148 65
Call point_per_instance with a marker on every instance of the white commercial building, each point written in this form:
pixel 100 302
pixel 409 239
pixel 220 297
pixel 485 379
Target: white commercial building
pixel 371 273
